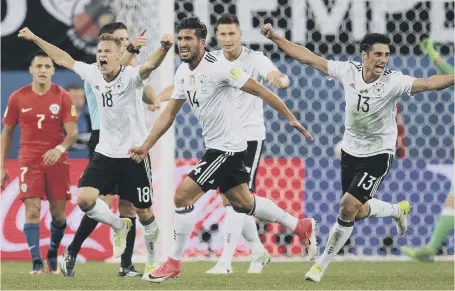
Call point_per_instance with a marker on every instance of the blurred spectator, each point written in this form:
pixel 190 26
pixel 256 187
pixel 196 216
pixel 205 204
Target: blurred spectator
pixel 83 123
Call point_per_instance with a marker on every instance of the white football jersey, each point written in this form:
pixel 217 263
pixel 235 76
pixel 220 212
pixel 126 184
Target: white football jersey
pixel 249 107
pixel 210 90
pixel 370 125
pixel 122 120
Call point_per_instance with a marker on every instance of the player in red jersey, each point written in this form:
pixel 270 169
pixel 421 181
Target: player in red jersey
pixel 44 112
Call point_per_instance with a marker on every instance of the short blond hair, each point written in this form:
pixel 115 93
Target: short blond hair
pixel 110 37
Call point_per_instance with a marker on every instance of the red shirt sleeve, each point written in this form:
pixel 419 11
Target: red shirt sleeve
pixel 69 110
pixel 11 115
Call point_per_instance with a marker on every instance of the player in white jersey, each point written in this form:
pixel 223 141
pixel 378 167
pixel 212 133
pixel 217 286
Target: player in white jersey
pixel 371 92
pixel 251 113
pixel 209 85
pixel 126 208
pixel 118 90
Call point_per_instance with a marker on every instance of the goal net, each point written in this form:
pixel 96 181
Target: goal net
pixel 304 177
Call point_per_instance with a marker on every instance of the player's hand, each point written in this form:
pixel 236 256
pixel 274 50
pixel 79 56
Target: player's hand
pixel 138 153
pixel 51 157
pixel 280 82
pixel 267 30
pixel 167 41
pixel 140 40
pixel 5 178
pixel 154 106
pixel 26 33
pixel 295 124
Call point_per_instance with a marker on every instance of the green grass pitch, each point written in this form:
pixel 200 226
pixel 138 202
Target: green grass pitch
pixel 277 276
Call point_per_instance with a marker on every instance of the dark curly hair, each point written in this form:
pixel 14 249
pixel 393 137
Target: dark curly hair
pixel 372 38
pixel 193 22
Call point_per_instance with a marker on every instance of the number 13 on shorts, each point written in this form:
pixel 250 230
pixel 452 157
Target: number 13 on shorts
pixel 367 182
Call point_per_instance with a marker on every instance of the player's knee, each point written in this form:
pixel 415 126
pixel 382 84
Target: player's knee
pixel 127 208
pixel 349 206
pixel 32 210
pixel 182 197
pixel 58 216
pixel 58 221
pixel 85 199
pixel 225 201
pixel 32 214
pixel 144 214
pixel 241 205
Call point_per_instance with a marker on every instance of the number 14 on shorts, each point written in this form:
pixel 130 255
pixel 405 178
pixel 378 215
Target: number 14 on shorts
pixel 144 194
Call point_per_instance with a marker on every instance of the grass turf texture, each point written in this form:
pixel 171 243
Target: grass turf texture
pixel 278 276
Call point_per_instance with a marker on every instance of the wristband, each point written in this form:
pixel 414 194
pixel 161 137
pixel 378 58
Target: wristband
pixel 60 148
pixel 130 48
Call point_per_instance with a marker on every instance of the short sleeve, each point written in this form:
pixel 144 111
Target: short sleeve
pixel 178 92
pixel 230 74
pixel 11 115
pixel 136 77
pixel 338 69
pixel 265 65
pixel 85 71
pixel 402 84
pixel 68 110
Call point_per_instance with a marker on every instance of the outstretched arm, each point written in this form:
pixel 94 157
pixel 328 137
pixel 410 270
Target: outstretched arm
pixel 300 53
pixel 254 88
pixel 155 60
pixel 59 56
pixel 163 123
pixel 436 82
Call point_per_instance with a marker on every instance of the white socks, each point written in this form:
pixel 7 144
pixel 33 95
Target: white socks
pixel 151 236
pixel 101 213
pixel 183 226
pixel 269 211
pixel 232 230
pixel 250 233
pixel 337 238
pixel 380 208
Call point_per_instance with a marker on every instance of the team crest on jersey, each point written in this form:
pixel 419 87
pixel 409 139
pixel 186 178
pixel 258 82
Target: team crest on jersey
pixel 54 108
pixel 202 79
pixel 378 89
pixel 118 86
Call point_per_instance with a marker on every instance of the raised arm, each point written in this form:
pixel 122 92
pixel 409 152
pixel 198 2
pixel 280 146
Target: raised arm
pixel 162 124
pixel 254 88
pixel 436 82
pixel 300 53
pixel 59 56
pixel 155 60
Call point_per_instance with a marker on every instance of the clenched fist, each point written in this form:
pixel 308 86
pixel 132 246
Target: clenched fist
pixel 27 34
pixel 167 41
pixel 267 30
